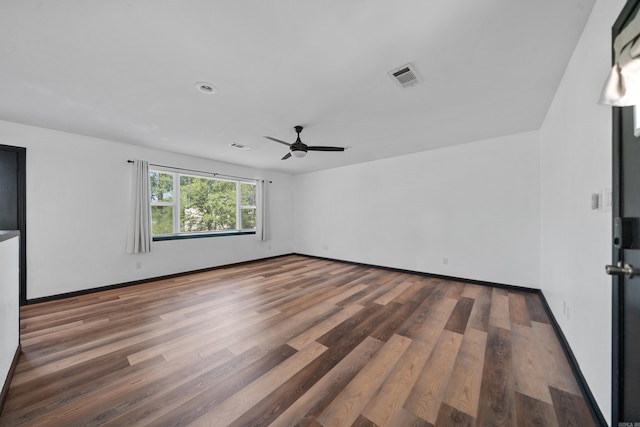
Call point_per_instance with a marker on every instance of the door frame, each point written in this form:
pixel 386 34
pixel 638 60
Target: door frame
pixel 22 215
pixel 617 350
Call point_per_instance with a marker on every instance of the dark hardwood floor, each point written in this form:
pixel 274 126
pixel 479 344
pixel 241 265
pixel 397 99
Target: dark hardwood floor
pixel 294 341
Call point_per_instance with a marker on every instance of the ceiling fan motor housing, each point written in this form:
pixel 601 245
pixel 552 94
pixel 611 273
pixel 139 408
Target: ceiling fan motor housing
pixel 298 148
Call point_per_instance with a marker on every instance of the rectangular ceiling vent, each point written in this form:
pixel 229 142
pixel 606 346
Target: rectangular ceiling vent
pixel 239 146
pixel 406 75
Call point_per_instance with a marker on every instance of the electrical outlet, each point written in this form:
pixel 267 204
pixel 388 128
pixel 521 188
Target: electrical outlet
pixel 138 265
pixel 325 247
pixel 445 261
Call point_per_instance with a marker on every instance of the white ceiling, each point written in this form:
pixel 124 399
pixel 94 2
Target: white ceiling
pixel 125 70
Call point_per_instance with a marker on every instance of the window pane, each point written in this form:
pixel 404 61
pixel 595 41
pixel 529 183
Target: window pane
pixel 248 218
pixel 247 194
pixel 161 219
pixel 207 204
pixel 161 187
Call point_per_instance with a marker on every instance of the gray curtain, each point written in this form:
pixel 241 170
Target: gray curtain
pixel 262 215
pixel 139 238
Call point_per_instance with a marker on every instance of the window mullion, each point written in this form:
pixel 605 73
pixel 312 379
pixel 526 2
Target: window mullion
pixel 176 203
pixel 238 209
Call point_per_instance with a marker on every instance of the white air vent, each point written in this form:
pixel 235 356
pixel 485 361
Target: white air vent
pixel 405 76
pixel 239 146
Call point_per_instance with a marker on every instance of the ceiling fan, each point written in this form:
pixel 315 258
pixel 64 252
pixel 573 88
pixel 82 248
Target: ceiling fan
pixel 299 148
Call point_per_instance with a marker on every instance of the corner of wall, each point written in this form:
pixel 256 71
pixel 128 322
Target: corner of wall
pixel 575 241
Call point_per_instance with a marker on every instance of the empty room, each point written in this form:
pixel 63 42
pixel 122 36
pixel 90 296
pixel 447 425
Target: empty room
pixel 319 213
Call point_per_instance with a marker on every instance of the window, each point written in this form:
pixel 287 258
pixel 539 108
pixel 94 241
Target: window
pixel 161 202
pixel 194 206
pixel 247 205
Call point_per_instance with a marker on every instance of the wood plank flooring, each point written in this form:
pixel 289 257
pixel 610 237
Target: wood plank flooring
pixel 294 341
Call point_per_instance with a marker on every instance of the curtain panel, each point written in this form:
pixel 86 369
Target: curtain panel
pixel 262 220
pixel 139 234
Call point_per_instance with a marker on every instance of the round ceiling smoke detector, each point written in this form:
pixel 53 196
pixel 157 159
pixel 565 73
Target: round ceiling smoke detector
pixel 206 88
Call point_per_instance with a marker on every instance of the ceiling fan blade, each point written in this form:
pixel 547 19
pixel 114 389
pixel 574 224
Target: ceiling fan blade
pixel 323 148
pixel 286 156
pixel 277 140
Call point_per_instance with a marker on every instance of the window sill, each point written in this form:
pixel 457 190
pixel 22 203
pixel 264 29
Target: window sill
pixel 182 236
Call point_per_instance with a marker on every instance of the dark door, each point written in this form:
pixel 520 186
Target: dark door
pixel 626 256
pixel 8 190
pixel 13 203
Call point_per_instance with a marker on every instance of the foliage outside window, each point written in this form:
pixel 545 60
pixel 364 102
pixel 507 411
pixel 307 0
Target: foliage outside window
pixel 187 204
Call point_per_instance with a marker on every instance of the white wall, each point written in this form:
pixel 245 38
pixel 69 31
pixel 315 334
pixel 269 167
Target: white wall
pixel 475 204
pixel 77 207
pixel 576 241
pixel 513 210
pixel 9 304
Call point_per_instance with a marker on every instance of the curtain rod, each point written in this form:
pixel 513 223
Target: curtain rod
pixel 210 173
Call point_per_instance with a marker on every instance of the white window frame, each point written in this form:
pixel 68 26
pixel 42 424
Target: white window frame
pixel 240 207
pixel 176 206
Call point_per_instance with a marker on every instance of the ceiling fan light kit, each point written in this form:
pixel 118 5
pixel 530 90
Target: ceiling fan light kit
pixel 299 148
